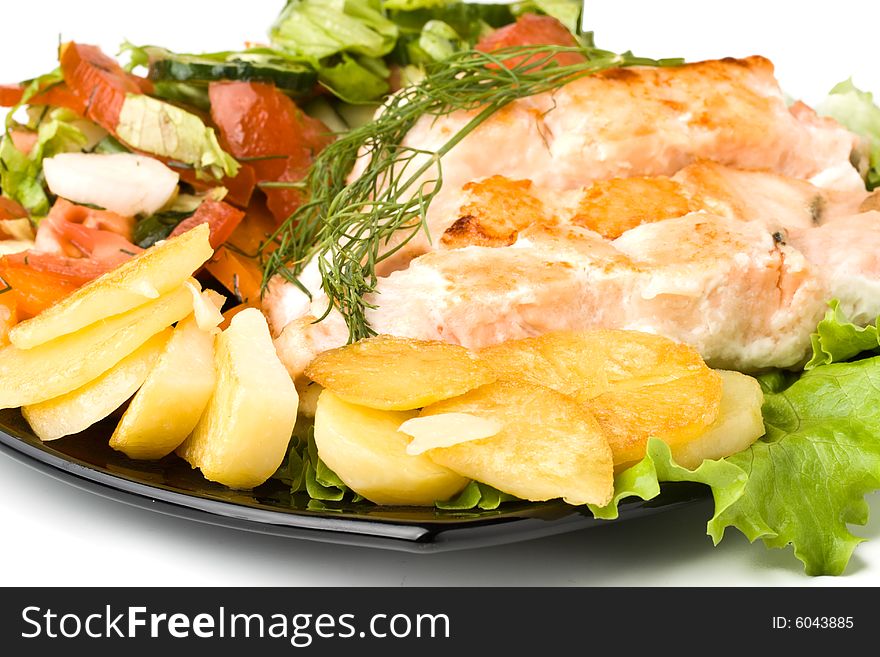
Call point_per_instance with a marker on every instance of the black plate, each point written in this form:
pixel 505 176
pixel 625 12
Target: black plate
pixel 171 486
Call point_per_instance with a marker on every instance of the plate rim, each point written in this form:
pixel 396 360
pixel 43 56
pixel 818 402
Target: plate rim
pixel 397 535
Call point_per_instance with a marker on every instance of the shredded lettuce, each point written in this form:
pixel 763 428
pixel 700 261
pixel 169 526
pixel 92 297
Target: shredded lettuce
pixel 320 28
pixel 857 110
pixel 21 176
pixel 162 129
pixel 837 339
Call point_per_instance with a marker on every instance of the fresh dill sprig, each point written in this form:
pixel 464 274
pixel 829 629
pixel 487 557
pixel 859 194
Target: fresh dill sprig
pixel 349 226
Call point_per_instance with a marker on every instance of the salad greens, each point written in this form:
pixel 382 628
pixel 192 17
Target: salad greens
pixel 856 110
pixel 837 339
pixel 166 130
pixel 21 175
pixel 349 46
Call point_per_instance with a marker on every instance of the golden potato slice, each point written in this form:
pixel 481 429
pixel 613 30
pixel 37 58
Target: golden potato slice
pixel 738 425
pixel 636 384
pixel 675 412
pixel 168 406
pixel 365 449
pixel 158 270
pixel 549 446
pixel 592 362
pixel 31 376
pixel 81 408
pixel 398 374
pixel 243 435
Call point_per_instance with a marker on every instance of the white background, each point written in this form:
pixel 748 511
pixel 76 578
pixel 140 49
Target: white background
pixel 53 534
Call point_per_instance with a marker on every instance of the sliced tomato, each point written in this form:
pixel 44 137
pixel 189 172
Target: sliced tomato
pixel 281 201
pixel 38 280
pixel 58 95
pixel 221 218
pixel 532 30
pixel 9 209
pixel 263 126
pixel 10 94
pixel 74 245
pixel 98 80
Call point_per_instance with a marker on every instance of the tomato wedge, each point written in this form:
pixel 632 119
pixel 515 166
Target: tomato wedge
pixel 533 30
pixel 264 127
pixel 38 280
pixel 98 81
pixel 74 245
pixel 10 94
pixel 221 218
pixel 58 95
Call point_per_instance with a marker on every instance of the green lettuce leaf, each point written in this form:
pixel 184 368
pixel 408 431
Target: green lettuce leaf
pixel 162 129
pixel 21 176
pixel 643 479
pixel 476 496
pixel 305 472
pixel 837 339
pixel 438 40
pixel 856 110
pixel 808 476
pixel 321 28
pixel 410 5
pixel 353 80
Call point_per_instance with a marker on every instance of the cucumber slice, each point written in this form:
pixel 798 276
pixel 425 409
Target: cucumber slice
pixel 295 78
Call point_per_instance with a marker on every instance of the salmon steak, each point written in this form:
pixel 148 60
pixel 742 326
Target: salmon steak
pixel 690 202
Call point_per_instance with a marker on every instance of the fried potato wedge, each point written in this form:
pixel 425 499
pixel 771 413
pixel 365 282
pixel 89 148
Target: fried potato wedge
pixel 635 384
pixel 738 425
pixel 81 408
pixel 157 271
pixel 365 449
pixel 398 374
pixel 52 369
pixel 549 445
pixel 243 434
pixel 176 391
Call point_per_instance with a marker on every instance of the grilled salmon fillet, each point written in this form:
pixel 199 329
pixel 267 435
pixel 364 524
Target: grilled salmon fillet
pixel 639 121
pixel 691 202
pixel 737 263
